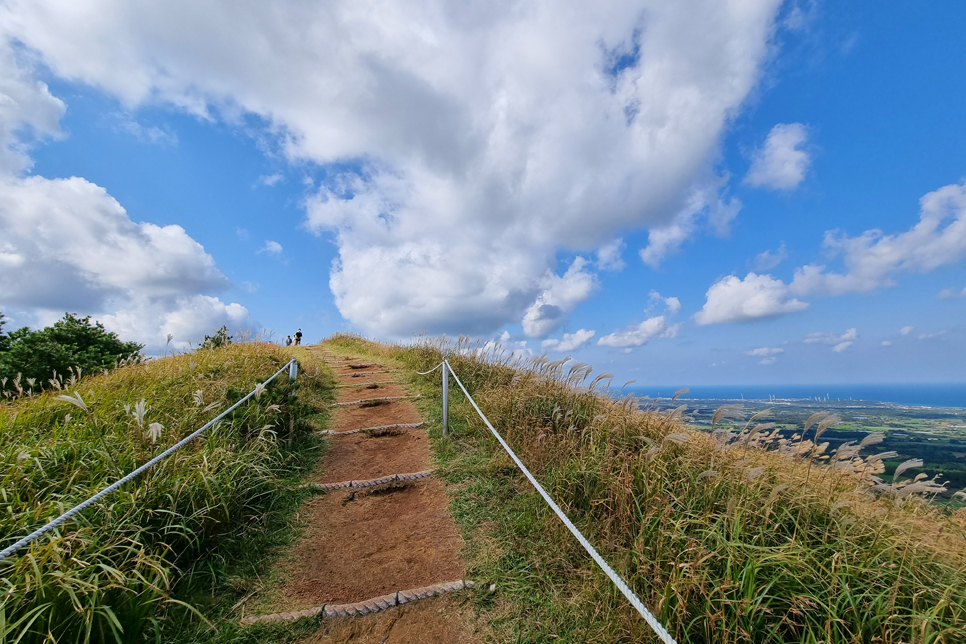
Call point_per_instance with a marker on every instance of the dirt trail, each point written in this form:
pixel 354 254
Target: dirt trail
pixel 366 543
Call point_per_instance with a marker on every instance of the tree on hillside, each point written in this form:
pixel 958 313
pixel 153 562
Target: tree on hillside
pixel 221 338
pixel 4 340
pixel 71 342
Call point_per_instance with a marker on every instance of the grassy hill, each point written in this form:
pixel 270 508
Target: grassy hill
pixel 109 573
pixel 727 537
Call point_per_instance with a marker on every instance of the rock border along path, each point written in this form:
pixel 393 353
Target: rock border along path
pixel 398 532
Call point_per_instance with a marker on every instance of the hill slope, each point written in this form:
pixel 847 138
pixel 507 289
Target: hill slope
pixel 108 574
pixel 725 538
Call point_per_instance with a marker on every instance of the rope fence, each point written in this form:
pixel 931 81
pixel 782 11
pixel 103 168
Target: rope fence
pixel 621 585
pixel 291 365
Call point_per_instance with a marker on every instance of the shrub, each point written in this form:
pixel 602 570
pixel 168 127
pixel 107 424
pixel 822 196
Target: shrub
pixel 44 356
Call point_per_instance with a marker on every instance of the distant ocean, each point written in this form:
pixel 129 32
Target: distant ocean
pixel 930 395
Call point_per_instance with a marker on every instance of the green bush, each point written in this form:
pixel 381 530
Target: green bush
pixel 45 355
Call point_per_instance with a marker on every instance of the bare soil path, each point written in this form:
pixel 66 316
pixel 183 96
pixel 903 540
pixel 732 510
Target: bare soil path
pixel 361 544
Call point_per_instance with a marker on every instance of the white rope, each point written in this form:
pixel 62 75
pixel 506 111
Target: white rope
pixel 6 552
pixel 423 373
pixel 614 577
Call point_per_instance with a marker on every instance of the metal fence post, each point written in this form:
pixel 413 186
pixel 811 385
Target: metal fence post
pixel 445 397
pixel 293 369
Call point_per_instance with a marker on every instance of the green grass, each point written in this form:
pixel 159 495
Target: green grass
pixel 732 557
pixel 121 570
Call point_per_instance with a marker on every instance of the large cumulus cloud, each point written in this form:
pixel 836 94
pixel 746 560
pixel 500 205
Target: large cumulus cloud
pixel 66 244
pixel 475 140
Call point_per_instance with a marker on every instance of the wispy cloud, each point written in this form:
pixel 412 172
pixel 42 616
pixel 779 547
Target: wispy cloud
pixel 270 179
pixel 768 355
pixel 906 330
pixel 935 334
pixel 570 341
pixel 272 247
pixel 838 343
pixel 781 162
pixel 764 352
pixel 951 293
pixel 609 256
pixel 658 326
pixel 768 260
pixel 148 134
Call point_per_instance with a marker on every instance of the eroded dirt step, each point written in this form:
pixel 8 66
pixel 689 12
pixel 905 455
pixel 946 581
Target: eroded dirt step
pixel 397 411
pixel 357 456
pixel 374 390
pixel 364 544
pixel 366 383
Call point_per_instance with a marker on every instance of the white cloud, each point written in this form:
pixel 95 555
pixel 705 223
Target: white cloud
pixel 950 293
pixel 906 330
pixel 658 326
pixel 887 343
pixel 188 319
pixel 272 247
pixel 768 260
pixel 764 352
pixel 609 256
pixel 873 258
pixel 638 335
pixel 781 163
pixel 705 207
pixel 270 179
pixel 560 296
pixel 80 248
pixel 28 111
pixel 147 134
pixel 68 245
pixel 801 15
pixel 932 336
pixel 570 341
pixel 485 138
pixel 768 355
pixel 839 343
pixel 731 299
pixel 672 304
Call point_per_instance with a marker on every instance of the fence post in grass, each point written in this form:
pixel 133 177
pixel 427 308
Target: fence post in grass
pixel 293 369
pixel 445 397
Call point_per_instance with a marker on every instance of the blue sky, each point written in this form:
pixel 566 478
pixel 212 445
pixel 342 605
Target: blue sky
pixel 642 186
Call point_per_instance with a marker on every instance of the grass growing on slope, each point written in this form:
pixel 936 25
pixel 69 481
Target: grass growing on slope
pixel 108 574
pixel 724 541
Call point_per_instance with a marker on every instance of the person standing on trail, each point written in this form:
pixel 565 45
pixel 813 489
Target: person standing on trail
pixel 288 341
pixel 298 338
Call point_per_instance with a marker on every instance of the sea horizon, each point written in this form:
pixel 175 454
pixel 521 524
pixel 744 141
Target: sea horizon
pixel 952 395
